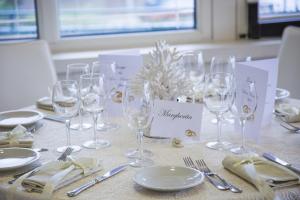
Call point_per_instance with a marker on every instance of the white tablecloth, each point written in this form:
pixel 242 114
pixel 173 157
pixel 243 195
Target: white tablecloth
pixel 274 139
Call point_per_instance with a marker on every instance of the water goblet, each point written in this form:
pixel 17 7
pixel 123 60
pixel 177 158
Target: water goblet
pixel 93 100
pixel 138 112
pixel 218 99
pixel 65 98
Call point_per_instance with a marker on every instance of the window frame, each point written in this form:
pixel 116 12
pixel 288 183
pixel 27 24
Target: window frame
pixel 49 30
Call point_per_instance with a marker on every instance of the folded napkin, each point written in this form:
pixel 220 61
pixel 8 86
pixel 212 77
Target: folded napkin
pixel 18 137
pixel 50 177
pixel 291 113
pixel 263 174
pixel 45 103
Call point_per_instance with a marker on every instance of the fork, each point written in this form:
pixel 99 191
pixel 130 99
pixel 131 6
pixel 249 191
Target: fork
pixel 62 157
pixel 290 127
pixel 202 165
pixel 219 185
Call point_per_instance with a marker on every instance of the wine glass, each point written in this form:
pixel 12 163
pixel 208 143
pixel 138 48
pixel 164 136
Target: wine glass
pixel 244 107
pixel 106 70
pixel 74 71
pixel 218 99
pixel 138 112
pixel 65 98
pixel 195 71
pixel 93 100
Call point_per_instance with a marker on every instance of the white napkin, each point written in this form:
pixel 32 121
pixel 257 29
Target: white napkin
pixel 18 137
pixel 45 103
pixel 291 113
pixel 51 177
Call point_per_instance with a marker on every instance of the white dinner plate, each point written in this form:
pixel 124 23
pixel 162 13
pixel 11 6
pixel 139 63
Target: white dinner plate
pixel 12 158
pixel 281 94
pixel 168 178
pixel 22 117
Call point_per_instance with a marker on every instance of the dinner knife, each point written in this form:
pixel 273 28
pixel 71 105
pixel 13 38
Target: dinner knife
pixel 275 159
pixel 98 179
pixel 55 118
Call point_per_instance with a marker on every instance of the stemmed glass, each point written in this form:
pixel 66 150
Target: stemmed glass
pixel 218 99
pixel 93 99
pixel 65 98
pixel 74 71
pixel 137 110
pixel 244 107
pixel 106 69
pixel 195 71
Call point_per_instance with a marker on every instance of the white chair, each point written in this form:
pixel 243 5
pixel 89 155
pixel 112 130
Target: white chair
pixel 26 72
pixel 289 61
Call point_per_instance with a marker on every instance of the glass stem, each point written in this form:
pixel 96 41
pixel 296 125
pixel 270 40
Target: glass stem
pixel 219 122
pixel 68 123
pixel 243 122
pixel 140 143
pixel 95 118
pixel 80 117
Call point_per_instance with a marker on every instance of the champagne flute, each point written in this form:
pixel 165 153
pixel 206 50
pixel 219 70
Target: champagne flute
pixel 93 99
pixel 138 112
pixel 244 107
pixel 106 69
pixel 218 99
pixel 74 71
pixel 65 98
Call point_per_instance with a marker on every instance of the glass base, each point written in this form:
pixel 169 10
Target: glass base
pixel 63 148
pixel 133 153
pixel 80 127
pixel 141 162
pixel 241 150
pixel 221 146
pixel 96 145
pixel 107 126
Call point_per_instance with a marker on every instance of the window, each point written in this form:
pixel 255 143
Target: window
pixel 18 19
pixel 270 17
pixel 279 10
pixel 92 17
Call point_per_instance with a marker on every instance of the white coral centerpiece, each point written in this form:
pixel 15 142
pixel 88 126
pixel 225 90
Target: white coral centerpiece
pixel 165 74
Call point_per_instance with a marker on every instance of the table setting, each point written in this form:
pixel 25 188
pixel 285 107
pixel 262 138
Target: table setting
pixel 163 144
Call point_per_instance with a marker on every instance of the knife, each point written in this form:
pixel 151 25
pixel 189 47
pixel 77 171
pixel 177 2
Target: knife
pixel 98 179
pixel 275 159
pixel 55 118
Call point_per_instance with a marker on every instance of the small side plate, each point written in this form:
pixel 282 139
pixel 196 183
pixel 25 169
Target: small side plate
pixel 168 178
pixel 23 117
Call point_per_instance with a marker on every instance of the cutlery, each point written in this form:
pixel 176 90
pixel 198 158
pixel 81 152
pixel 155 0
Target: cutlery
pixel 55 118
pixel 202 165
pixel 290 127
pixel 34 169
pixel 212 179
pixel 275 159
pixel 40 149
pixel 98 179
pixel 35 127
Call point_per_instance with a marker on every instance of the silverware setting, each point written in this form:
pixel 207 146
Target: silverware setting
pixel 54 118
pixel 275 159
pixel 98 179
pixel 34 169
pixel 213 178
pixel 287 125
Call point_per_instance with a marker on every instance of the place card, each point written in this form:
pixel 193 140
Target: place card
pixel 126 65
pixel 177 120
pixel 245 73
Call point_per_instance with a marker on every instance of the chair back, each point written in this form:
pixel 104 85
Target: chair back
pixel 26 72
pixel 289 61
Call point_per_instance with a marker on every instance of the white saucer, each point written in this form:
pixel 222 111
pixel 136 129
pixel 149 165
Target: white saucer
pixel 168 178
pixel 12 158
pixel 23 117
pixel 281 94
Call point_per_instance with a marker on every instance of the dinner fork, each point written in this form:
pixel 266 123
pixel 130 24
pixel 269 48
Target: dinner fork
pixel 202 165
pixel 219 185
pixel 35 169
